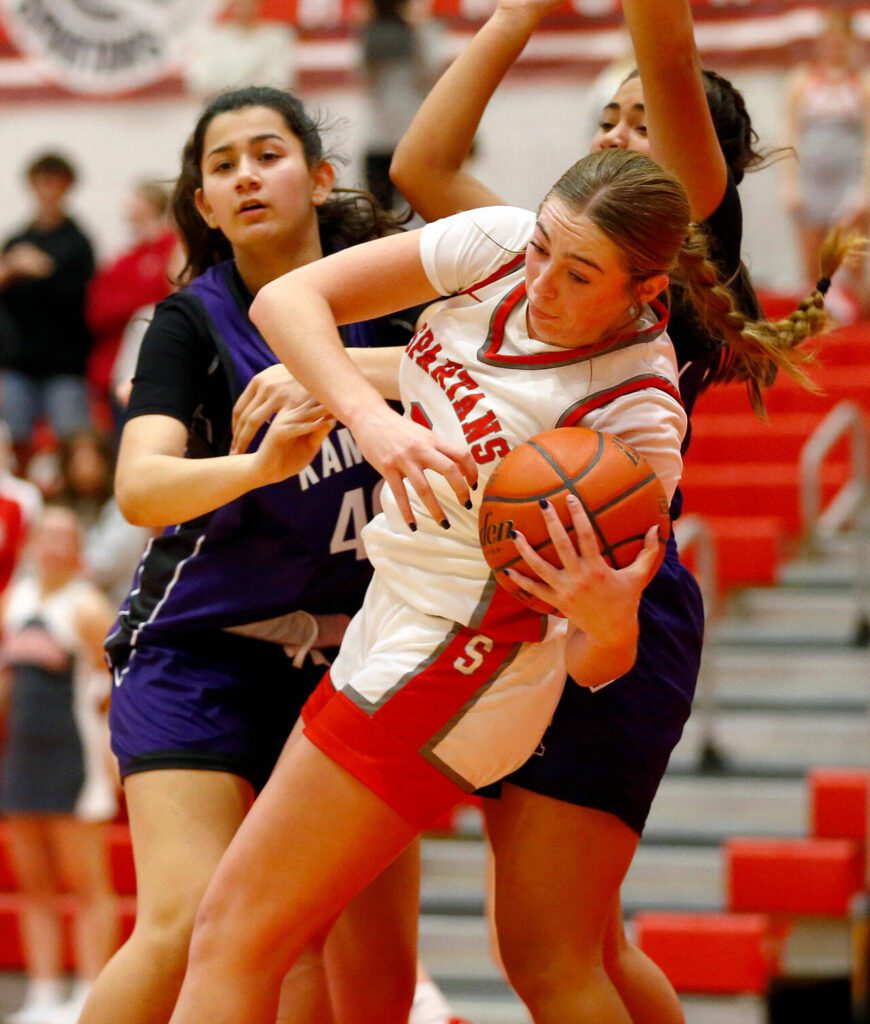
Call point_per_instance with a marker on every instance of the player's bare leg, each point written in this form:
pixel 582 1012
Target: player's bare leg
pixel 314 839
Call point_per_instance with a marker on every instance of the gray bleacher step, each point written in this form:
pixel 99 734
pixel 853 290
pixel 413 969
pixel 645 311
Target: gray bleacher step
pixel 740 1009
pixel 818 947
pixel 842 571
pixel 704 809
pixel 456 946
pixel 477 992
pixel 703 812
pixel 670 878
pixel 837 562
pixel 485 1009
pixel 810 618
pixel 698 1010
pixel 774 742
pixel 777 665
pixel 674 878
pixel 781 675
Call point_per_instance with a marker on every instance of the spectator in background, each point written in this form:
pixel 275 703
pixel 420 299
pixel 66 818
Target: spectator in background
pixel 241 50
pixel 138 277
pixel 44 273
pixel 111 546
pixel 20 509
pixel 828 124
pixel 401 58
pixel 56 790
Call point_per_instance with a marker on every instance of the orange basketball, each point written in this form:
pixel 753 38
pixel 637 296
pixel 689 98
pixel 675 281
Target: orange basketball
pixel 616 486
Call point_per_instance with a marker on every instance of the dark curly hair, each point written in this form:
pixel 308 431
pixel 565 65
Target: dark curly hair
pixel 349 215
pixel 737 138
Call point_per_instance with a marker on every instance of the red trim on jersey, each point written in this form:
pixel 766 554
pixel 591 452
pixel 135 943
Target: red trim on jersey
pixel 490 352
pixel 386 749
pixel 503 271
pixel 628 387
pixel 418 415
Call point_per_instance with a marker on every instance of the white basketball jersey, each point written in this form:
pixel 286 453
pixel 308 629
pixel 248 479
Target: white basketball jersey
pixel 473 375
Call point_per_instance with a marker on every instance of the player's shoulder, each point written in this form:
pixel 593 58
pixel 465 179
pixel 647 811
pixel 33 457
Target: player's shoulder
pixel 499 224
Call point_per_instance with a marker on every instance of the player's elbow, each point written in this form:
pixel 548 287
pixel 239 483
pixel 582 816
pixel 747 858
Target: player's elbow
pixel 131 496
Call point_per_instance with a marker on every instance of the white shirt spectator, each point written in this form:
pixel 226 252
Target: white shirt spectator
pixel 230 55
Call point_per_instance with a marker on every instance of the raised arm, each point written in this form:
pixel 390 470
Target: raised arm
pixel 427 164
pixel 681 132
pixel 298 316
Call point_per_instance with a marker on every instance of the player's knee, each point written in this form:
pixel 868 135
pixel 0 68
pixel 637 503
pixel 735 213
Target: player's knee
pixel 541 974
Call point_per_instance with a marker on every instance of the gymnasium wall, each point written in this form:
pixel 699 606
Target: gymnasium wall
pixel 536 126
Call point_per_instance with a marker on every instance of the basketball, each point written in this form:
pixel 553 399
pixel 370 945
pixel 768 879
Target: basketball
pixel 616 486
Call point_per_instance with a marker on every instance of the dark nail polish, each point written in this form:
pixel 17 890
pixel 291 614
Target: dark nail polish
pixel 543 503
pixel 512 534
pixel 412 527
pixel 474 486
pixel 468 505
pixel 445 524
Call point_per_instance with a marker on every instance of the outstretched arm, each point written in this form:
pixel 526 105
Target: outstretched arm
pixel 298 313
pixel 681 132
pixel 427 164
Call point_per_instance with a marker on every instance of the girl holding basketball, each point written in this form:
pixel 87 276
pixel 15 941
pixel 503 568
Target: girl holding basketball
pixel 443 681
pixel 570 819
pixel 211 650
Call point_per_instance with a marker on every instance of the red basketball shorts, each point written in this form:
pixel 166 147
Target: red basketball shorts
pixel 422 710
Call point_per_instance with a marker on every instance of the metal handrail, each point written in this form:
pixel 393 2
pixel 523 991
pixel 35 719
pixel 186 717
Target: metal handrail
pixel 693 531
pixel 845 417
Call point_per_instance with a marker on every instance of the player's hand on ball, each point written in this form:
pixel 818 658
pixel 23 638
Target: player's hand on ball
pixel 401 451
pixel 593 596
pixel 267 393
pixel 293 439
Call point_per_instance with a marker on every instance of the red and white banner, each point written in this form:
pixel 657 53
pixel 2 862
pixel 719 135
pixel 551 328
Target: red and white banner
pixel 56 48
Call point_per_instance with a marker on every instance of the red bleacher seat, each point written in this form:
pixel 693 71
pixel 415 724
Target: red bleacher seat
pixel 792 876
pixel 748 549
pixel 754 489
pixel 839 803
pixel 742 437
pixel 711 953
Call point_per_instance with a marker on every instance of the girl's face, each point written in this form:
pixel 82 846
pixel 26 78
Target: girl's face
pixel 623 121
pixel 87 469
pixel 141 214
pixel 57 542
pixel 256 185
pixel 578 291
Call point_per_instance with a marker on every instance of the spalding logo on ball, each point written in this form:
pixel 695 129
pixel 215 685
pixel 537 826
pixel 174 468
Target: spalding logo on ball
pixel 616 486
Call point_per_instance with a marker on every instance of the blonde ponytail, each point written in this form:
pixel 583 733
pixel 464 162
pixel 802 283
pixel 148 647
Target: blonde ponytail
pixel 754 350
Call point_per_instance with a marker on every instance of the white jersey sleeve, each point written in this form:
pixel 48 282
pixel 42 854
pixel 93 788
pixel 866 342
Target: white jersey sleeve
pixel 466 249
pixel 654 424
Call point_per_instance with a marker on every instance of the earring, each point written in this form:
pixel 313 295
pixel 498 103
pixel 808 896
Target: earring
pixel 634 311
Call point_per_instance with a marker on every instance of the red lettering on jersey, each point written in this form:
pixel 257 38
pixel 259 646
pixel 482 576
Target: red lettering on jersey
pixel 465 380
pixel 421 340
pixel 487 424
pixel 466 405
pixel 452 377
pixel 427 358
pixel 494 448
pixel 441 373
